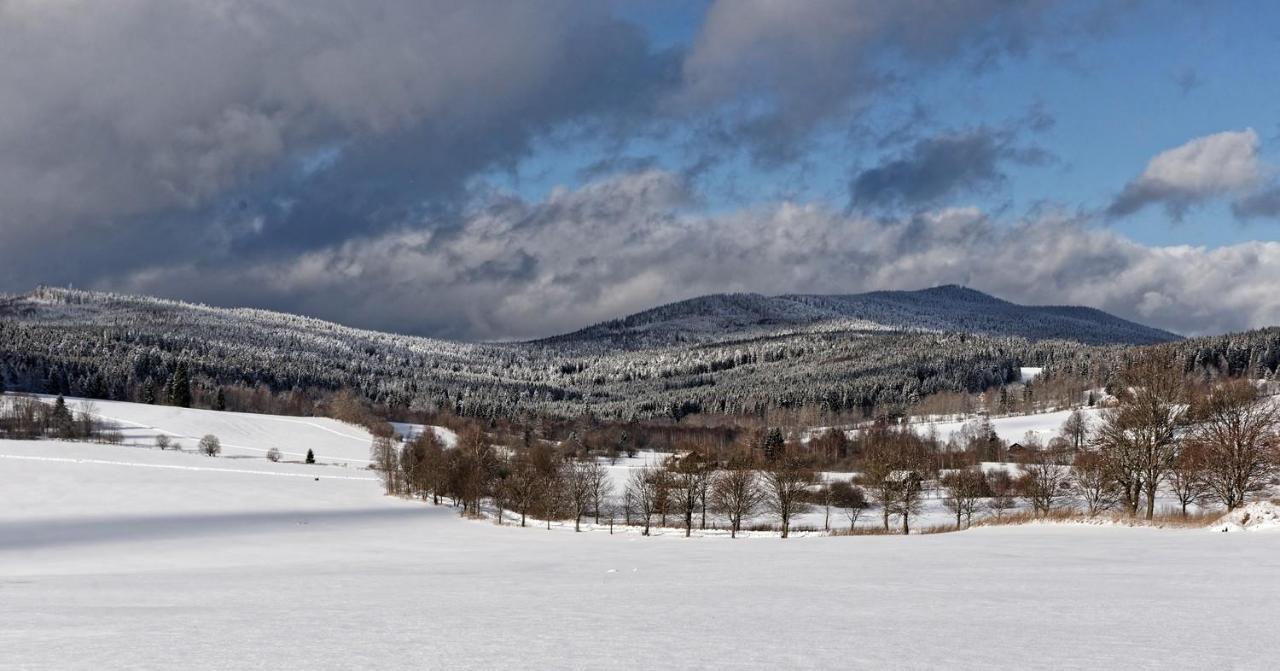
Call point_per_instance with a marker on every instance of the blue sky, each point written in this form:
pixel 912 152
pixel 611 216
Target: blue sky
pixel 1134 87
pixel 513 169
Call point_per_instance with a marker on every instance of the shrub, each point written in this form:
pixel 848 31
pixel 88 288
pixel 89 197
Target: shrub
pixel 163 442
pixel 273 454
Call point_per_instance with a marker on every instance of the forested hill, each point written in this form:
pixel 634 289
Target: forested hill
pixel 134 348
pixel 948 308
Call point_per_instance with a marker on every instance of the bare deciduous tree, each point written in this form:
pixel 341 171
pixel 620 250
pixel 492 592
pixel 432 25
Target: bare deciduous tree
pixel 1044 481
pixel 736 494
pixel 1238 436
pixel 786 481
pixel 1140 434
pixel 850 498
pixel 1001 487
pixel 966 489
pixel 1093 482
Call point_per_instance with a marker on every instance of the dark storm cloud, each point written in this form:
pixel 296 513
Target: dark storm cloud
pixel 180 128
pixel 776 70
pixel 936 167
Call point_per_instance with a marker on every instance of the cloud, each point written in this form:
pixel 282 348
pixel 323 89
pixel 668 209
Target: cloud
pixel 940 166
pixel 1261 204
pixel 778 70
pixel 517 269
pixel 1222 164
pixel 170 126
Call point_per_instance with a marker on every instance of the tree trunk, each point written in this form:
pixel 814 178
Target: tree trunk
pixel 906 524
pixel 521 518
pixel 577 523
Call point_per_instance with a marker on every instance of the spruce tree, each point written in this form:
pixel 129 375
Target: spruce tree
pixel 774 443
pixel 180 387
pixel 311 456
pixel 219 400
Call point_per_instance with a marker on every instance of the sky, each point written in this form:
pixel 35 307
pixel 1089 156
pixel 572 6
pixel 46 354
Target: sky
pixel 509 169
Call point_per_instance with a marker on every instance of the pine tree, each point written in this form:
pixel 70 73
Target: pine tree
pixel 61 419
pixel 149 392
pixel 180 387
pixel 311 456
pixel 774 443
pixel 219 400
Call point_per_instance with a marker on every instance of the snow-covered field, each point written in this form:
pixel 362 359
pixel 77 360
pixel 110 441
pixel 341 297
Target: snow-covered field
pixel 244 434
pixel 122 557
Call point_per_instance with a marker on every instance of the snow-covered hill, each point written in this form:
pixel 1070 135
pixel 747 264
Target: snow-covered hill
pixel 946 308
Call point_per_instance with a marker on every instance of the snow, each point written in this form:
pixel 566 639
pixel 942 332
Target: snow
pixel 406 431
pixel 130 557
pixel 245 434
pixel 1256 516
pixel 1014 428
pixel 1028 373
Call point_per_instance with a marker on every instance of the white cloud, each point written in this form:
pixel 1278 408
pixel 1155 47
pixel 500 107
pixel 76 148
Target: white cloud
pixel 520 269
pixel 1215 165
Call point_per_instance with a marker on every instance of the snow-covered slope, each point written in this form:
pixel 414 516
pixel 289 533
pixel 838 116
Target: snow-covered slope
pixel 946 308
pixel 241 434
pixel 120 557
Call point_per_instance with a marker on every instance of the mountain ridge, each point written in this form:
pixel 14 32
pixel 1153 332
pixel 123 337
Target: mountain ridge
pixel 945 308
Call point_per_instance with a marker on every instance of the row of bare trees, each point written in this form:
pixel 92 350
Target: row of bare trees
pixel 546 483
pixel 1200 442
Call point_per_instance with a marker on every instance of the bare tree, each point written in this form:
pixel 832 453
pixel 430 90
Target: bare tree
pixel 966 489
pixel 688 482
pixel 1075 431
pixel 384 459
pixel 1140 434
pixel 1238 434
pixel 577 476
pixel 1044 481
pixel 601 488
pixel 523 488
pixel 210 445
pixel 1093 482
pixel 1001 487
pixel 848 497
pixel 163 442
pixel 1187 477
pixel 273 454
pixel 786 481
pixel 643 493
pixel 736 494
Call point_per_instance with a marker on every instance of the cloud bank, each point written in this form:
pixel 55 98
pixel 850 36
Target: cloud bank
pixel 517 269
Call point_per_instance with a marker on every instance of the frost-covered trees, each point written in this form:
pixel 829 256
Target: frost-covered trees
pixel 274 455
pixel 210 446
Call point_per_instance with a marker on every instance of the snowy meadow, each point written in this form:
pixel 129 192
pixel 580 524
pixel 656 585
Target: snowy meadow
pixel 125 556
